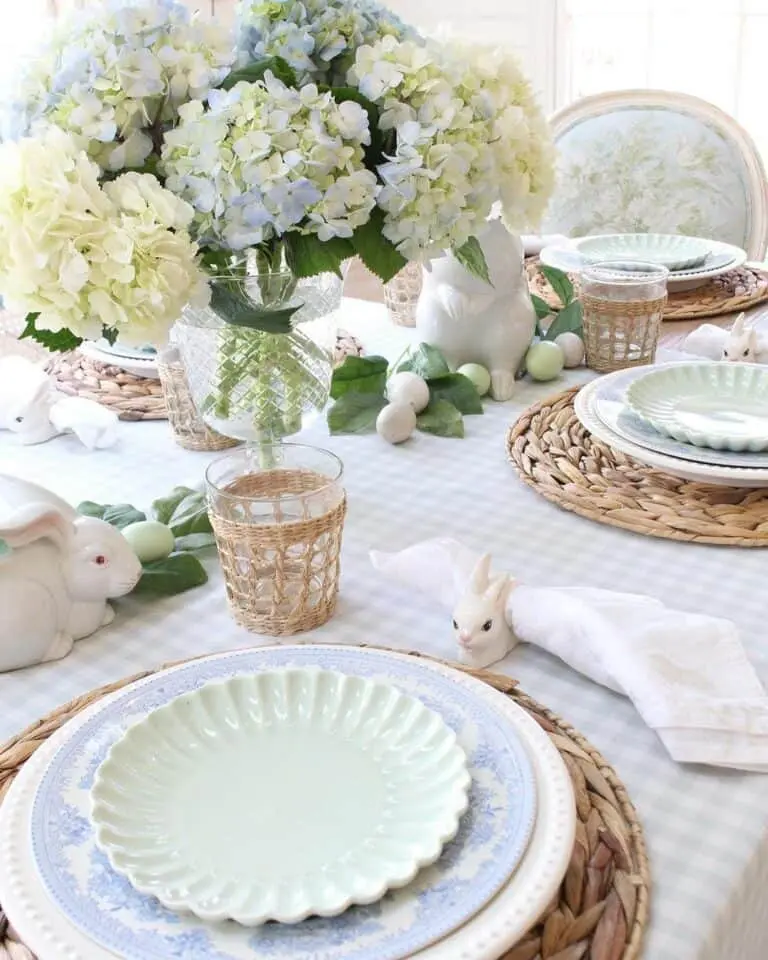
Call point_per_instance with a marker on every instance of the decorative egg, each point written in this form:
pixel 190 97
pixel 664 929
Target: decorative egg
pixel 150 540
pixel 544 361
pixel 478 375
pixel 407 387
pixel 396 422
pixel 573 348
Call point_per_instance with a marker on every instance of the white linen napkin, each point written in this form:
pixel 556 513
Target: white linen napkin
pixel 687 674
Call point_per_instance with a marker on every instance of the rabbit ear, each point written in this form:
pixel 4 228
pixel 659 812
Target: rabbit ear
pixel 34 522
pixel 499 589
pixel 480 575
pixel 738 323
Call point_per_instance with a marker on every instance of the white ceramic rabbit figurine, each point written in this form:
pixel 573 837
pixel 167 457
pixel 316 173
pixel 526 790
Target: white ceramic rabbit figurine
pixel 480 619
pixel 472 322
pixel 55 582
pixel 26 397
pixel 744 344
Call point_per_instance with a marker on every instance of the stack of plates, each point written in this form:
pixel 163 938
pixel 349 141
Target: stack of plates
pixel 702 421
pixel 691 261
pixel 288 802
pixel 139 362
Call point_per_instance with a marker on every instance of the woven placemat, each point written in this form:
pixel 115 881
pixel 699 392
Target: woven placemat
pixel 729 293
pixel 601 910
pixel 138 398
pixel 557 456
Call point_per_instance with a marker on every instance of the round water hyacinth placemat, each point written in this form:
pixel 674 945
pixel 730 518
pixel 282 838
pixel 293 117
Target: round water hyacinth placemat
pixel 601 909
pixel 731 292
pixel 556 456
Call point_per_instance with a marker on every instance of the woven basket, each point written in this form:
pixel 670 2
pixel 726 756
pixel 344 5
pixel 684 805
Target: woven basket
pixel 601 909
pixel 401 295
pixel 189 431
pixel 281 573
pixel 620 334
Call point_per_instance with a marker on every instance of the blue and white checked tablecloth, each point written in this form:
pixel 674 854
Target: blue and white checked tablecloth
pixel 707 831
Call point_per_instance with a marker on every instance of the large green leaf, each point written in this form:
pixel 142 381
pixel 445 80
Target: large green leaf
pixel 559 282
pixel 190 516
pixel 175 574
pixel 541 307
pixel 355 413
pixel 360 375
pixel 458 390
pixel 120 515
pixel 61 341
pixel 470 255
pixel 195 541
pixel 569 320
pixel 442 419
pixel 257 68
pixel 308 255
pixel 163 507
pixel 233 306
pixel 377 253
pixel 427 361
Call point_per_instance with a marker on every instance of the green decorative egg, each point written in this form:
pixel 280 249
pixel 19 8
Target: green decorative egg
pixel 478 375
pixel 544 361
pixel 150 540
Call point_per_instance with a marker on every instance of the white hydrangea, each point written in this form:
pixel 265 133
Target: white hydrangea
pixel 115 74
pixel 85 257
pixel 313 35
pixel 265 158
pixel 465 132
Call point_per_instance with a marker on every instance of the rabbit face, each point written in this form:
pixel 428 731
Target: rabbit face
pixel 741 348
pixel 101 563
pixel 479 618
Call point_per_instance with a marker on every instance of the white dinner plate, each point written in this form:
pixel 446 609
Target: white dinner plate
pixel 673 251
pixel 611 407
pixel 722 406
pixel 723 257
pixel 585 409
pixel 361 932
pixel 280 795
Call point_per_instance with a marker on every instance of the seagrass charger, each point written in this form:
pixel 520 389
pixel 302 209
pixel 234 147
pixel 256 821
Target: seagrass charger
pixel 601 910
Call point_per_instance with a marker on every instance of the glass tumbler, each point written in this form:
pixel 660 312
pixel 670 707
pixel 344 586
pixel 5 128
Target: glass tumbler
pixel 623 304
pixel 277 512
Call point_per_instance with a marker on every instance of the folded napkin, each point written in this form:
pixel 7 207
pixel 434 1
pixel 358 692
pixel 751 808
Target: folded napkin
pixel 687 674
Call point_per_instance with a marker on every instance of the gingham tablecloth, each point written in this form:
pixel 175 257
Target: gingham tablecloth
pixel 707 832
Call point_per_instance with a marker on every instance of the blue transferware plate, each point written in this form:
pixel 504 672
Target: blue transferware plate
pixel 492 839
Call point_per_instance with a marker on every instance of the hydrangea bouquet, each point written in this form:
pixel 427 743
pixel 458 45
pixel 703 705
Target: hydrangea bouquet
pixel 154 160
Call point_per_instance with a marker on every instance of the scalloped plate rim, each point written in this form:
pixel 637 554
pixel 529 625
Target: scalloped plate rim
pixel 681 261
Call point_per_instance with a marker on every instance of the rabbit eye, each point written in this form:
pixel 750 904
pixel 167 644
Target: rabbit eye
pixel 746 352
pixel 487 625
pixel 455 625
pixel 101 560
pixel 19 419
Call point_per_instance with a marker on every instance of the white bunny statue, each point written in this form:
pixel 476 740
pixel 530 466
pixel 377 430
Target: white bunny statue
pixel 744 344
pixel 32 408
pixel 57 576
pixel 479 617
pixel 472 322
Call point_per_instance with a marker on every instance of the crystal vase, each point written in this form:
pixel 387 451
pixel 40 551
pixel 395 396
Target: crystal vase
pixel 265 382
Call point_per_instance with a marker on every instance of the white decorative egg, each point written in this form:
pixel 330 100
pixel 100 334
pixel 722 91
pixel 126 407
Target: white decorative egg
pixel 407 387
pixel 396 422
pixel 573 348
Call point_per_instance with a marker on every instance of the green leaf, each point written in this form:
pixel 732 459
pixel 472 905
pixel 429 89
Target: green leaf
pixel 359 375
pixel 257 68
pixel 442 419
pixel 458 390
pixel 427 361
pixel 175 574
pixel 61 341
pixel 190 516
pixel 541 307
pixel 373 248
pixel 119 515
pixel 5 550
pixel 374 152
pixel 559 282
pixel 355 413
pixel 233 306
pixel 470 255
pixel 195 541
pixel 568 320
pixel 163 507
pixel 308 255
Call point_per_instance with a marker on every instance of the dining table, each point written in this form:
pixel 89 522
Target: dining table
pixel 706 829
